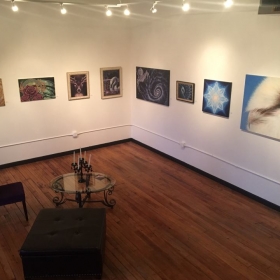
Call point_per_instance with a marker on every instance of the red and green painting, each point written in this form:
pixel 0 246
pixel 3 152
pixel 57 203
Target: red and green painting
pixel 36 89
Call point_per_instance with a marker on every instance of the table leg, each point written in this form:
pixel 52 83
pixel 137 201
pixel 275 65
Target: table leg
pixel 79 199
pixel 58 201
pixel 110 203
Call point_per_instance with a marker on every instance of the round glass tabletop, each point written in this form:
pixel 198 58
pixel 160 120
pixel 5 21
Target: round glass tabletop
pixel 93 182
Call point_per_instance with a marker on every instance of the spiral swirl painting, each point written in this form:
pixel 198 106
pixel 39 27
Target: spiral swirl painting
pixel 153 85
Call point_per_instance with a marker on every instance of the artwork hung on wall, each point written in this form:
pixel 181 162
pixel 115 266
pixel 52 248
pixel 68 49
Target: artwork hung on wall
pixel 2 100
pixel 153 85
pixel 216 97
pixel 78 85
pixel 36 89
pixel 261 106
pixel 111 82
pixel 185 91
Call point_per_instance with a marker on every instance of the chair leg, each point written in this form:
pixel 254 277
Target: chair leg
pixel 25 210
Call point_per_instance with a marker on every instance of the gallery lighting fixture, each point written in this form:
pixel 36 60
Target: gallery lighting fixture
pixel 126 11
pixel 62 9
pixel 14 6
pixel 153 9
pixel 108 12
pixel 185 6
pixel 228 3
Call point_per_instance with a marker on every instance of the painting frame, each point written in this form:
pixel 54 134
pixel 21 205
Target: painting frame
pixel 185 96
pixel 260 109
pixel 111 82
pixel 75 82
pixel 36 89
pixel 153 85
pixel 217 98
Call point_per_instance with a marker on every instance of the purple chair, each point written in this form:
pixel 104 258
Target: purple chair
pixel 12 193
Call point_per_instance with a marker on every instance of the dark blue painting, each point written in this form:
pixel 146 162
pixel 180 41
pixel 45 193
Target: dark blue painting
pixel 153 85
pixel 185 91
pixel 216 97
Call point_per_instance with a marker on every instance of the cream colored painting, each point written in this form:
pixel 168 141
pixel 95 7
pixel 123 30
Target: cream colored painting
pixel 2 100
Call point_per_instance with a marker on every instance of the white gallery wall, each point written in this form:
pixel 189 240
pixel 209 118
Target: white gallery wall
pixel 39 42
pixel 223 47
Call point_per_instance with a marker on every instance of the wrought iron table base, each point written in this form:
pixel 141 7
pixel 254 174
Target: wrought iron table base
pixel 81 201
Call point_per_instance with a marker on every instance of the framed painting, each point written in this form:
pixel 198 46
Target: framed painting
pixel 185 91
pixel 34 89
pixel 153 85
pixel 78 85
pixel 111 82
pixel 216 98
pixel 260 110
pixel 2 100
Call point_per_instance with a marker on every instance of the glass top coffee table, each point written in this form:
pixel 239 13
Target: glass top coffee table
pixel 94 182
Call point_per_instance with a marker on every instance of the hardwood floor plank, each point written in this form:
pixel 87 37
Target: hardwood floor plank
pixel 169 222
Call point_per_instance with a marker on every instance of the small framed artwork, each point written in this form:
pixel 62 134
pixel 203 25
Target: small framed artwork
pixel 78 85
pixel 185 91
pixel 111 82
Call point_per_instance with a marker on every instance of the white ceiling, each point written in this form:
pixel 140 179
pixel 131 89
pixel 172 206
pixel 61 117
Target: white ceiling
pixel 166 8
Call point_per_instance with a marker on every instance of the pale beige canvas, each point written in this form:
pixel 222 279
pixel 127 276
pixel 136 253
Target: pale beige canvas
pixel 2 100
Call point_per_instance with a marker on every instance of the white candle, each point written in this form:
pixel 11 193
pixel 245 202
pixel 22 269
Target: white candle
pixel 89 159
pixel 74 157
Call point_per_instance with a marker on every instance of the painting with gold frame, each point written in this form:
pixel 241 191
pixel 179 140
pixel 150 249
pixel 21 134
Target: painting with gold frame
pixel 185 91
pixel 78 85
pixel 111 82
pixel 2 100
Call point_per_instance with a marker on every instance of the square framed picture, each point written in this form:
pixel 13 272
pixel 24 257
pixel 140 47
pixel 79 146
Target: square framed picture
pixel 111 82
pixel 185 91
pixel 78 85
pixel 216 97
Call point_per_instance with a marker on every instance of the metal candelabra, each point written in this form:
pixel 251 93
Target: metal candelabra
pixel 79 167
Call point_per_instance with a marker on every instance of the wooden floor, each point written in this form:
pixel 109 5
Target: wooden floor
pixel 169 222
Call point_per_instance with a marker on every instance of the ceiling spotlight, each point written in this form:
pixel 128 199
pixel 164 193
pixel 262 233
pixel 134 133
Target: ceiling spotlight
pixel 108 12
pixel 63 10
pixel 228 3
pixel 185 6
pixel 153 9
pixel 126 11
pixel 14 6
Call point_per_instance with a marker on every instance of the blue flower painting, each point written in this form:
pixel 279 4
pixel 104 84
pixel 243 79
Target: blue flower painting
pixel 153 85
pixel 261 106
pixel 216 98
